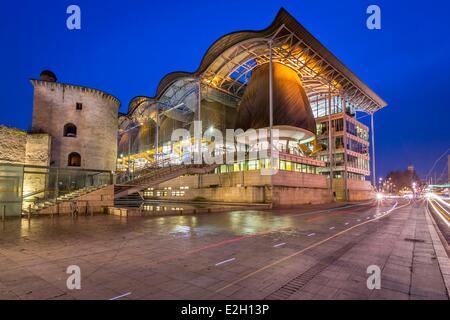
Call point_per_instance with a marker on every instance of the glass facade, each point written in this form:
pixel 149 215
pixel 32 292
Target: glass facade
pixel 350 147
pixel 253 165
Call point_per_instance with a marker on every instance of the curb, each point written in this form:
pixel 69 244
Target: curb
pixel 441 253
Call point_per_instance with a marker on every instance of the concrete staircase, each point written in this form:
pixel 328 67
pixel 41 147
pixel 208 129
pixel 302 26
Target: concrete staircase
pixel 131 200
pixel 35 205
pixel 153 176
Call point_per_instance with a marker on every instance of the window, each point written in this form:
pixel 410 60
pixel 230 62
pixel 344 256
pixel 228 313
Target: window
pixel 79 106
pixel 74 160
pixel 70 130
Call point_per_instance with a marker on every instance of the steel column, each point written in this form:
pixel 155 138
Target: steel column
pixel 271 100
pixel 374 176
pixel 344 115
pixel 157 134
pixel 330 138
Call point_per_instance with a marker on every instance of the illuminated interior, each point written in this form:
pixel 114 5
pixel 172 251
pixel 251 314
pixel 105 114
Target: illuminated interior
pixel 214 92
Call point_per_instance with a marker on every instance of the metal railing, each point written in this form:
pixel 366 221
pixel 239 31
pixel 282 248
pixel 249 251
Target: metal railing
pixel 28 186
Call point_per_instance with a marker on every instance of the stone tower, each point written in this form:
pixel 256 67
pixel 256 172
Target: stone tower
pixel 82 122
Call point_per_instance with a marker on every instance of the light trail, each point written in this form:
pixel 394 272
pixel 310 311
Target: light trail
pixel 443 214
pixel 438 199
pixel 232 240
pixel 214 245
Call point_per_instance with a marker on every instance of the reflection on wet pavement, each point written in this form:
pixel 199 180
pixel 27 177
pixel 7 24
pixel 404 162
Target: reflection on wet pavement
pixel 167 253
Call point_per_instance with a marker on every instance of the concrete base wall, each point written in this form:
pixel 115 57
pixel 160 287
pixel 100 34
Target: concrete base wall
pixel 285 189
pixel 357 190
pixel 95 202
pixel 223 194
pixel 284 197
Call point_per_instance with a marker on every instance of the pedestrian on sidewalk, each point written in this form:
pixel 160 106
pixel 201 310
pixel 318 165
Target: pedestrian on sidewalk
pixel 74 209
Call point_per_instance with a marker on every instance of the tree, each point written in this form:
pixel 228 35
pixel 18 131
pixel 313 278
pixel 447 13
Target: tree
pixel 399 180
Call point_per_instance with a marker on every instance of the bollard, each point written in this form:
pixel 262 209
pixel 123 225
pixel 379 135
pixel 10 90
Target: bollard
pixel 4 213
pixel 29 213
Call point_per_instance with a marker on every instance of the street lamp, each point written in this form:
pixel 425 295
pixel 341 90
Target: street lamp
pixel 157 123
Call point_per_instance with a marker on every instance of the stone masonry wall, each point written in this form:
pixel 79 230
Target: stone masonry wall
pixel 97 123
pixel 37 153
pixel 12 145
pixel 18 147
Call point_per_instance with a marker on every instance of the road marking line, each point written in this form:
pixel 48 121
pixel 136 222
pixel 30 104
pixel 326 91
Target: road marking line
pixel 229 260
pixel 311 234
pixel 279 245
pixel 302 251
pixel 332 228
pixel 367 218
pixel 359 220
pixel 121 296
pixel 346 223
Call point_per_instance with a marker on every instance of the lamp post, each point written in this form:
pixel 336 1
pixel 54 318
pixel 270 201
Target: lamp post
pixel 129 145
pixel 157 123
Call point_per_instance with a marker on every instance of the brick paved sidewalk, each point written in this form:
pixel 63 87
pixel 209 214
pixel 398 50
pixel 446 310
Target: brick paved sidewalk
pixel 404 248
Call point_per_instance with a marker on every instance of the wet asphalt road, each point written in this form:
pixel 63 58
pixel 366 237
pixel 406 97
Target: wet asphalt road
pixel 238 255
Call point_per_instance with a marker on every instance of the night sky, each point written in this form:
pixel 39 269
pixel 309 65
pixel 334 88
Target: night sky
pixel 126 47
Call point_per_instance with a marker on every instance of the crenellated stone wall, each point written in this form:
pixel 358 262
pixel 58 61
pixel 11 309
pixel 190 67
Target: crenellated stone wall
pixel 55 105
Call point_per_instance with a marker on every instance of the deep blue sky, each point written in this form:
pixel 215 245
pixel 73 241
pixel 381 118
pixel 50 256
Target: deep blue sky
pixel 125 47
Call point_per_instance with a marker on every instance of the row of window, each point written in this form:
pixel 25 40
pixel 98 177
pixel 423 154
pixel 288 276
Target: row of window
pixel 351 145
pixel 352 161
pixel 350 175
pixel 163 193
pixel 265 163
pixel 338 126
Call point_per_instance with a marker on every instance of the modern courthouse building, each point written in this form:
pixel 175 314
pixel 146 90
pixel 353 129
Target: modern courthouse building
pixel 279 78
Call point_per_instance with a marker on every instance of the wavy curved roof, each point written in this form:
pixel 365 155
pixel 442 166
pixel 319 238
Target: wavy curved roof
pixel 292 45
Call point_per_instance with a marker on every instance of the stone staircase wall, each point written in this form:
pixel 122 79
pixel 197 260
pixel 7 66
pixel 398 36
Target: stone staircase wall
pixel 94 202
